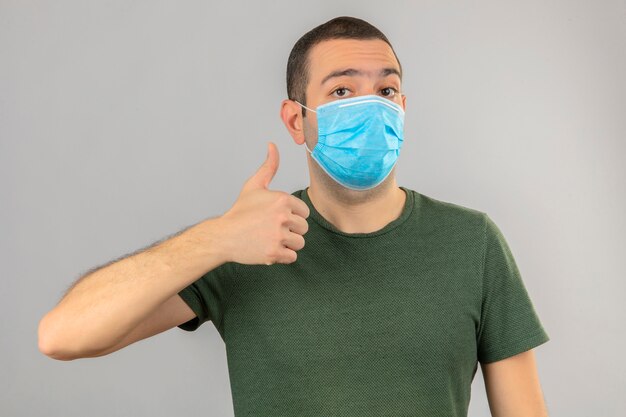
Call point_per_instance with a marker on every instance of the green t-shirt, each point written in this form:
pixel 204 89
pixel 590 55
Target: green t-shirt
pixel 387 323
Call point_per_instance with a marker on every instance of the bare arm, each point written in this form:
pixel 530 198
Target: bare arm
pixel 137 296
pixel 172 312
pixel 104 306
pixel 513 388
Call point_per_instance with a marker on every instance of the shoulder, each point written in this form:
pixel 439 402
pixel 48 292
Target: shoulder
pixel 440 214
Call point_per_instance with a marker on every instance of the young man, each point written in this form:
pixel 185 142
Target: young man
pixel 386 310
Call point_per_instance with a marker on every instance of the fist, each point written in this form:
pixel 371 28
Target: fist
pixel 265 226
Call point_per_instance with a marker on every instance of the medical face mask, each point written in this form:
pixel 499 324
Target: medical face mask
pixel 359 139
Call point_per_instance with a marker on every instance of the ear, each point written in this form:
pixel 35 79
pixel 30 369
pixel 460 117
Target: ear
pixel 291 115
pixel 403 102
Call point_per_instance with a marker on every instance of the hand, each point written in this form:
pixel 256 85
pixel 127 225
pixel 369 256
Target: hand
pixel 265 226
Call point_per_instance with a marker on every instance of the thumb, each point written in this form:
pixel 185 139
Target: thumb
pixel 265 174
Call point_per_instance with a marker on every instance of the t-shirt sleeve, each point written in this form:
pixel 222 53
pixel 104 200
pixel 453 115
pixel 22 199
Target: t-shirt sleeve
pixel 509 323
pixel 207 297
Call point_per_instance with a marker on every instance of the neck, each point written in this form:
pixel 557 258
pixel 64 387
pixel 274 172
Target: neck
pixel 353 211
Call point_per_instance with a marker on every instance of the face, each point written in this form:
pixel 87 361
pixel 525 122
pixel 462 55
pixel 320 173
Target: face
pixel 339 69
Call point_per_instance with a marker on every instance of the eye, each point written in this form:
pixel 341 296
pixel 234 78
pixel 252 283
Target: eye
pixel 388 92
pixel 340 92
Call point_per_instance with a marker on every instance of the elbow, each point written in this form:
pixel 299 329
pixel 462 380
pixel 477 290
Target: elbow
pixel 48 343
pixel 57 340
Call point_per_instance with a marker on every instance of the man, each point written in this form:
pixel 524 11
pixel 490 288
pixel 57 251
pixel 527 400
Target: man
pixel 386 310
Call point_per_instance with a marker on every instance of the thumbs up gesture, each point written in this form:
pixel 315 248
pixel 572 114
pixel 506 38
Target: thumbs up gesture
pixel 265 226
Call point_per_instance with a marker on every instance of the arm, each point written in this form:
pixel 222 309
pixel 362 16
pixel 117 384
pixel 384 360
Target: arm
pixel 102 309
pixel 171 313
pixel 137 296
pixel 513 388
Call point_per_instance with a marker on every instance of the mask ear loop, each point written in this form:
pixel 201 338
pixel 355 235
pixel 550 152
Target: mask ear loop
pixel 307 148
pixel 305 106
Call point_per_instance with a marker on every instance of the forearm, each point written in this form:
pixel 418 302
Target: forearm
pixel 105 305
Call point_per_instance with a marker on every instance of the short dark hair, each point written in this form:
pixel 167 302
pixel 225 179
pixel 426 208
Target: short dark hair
pixel 343 27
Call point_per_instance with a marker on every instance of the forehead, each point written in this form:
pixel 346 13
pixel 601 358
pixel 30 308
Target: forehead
pixel 369 55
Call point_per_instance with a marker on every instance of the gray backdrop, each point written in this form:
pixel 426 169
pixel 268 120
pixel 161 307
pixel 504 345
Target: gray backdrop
pixel 124 121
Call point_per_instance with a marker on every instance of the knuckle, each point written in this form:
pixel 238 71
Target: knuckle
pixel 277 215
pixel 282 217
pixel 278 237
pixel 271 254
pixel 283 198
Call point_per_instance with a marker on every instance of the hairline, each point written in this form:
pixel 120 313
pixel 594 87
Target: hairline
pixel 307 58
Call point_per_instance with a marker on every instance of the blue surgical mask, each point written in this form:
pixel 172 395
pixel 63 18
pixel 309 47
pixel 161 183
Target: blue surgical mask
pixel 359 139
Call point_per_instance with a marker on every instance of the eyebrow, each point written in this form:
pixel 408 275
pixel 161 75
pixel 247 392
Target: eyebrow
pixel 352 72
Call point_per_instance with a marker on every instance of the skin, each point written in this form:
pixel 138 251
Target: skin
pixel 512 385
pixel 351 211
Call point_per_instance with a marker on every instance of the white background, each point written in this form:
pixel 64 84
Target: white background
pixel 124 121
